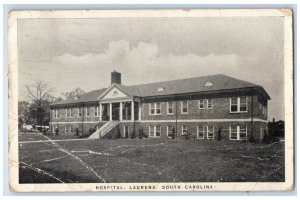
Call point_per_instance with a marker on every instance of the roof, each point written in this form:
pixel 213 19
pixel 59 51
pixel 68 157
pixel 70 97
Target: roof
pixel 182 86
pixel 87 97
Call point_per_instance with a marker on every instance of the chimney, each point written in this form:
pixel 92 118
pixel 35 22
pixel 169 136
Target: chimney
pixel 115 77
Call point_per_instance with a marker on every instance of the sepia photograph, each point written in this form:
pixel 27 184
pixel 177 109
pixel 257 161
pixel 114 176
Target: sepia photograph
pixel 151 100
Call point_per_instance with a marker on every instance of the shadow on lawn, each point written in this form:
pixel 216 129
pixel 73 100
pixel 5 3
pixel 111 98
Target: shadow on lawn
pixel 27 175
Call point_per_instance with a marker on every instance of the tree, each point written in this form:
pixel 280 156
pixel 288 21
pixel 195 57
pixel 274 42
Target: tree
pixel 39 96
pixel 76 93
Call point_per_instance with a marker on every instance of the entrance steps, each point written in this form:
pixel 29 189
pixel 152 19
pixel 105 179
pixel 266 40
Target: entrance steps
pixel 103 130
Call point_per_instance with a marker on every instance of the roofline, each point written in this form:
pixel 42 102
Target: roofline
pixel 206 92
pixel 76 103
pixel 110 88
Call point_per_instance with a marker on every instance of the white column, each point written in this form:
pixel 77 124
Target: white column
pixel 110 112
pixel 132 110
pixel 100 112
pixel 140 111
pixel 121 111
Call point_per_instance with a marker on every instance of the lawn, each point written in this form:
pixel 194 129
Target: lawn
pixel 149 160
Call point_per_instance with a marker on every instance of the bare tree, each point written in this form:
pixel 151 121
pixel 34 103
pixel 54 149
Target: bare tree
pixel 76 93
pixel 39 95
pixel 37 92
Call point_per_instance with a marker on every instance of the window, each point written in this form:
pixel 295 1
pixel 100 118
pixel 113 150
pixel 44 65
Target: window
pixel 152 108
pixel 238 133
pixel 68 129
pixel 238 104
pixel 70 112
pixel 79 112
pixel 201 104
pixel 96 111
pixel 154 131
pixel 209 103
pixel 87 112
pixel 184 107
pixel 53 129
pixel 155 108
pixel 126 131
pixel 170 131
pixel 170 108
pixel 55 114
pixel 184 130
pixel 200 132
pixel 210 132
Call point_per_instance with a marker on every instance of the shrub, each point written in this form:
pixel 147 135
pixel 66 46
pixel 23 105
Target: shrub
pixel 133 134
pixel 219 134
pixel 56 131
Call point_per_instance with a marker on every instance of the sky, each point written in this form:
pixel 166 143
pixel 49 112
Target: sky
pixel 71 53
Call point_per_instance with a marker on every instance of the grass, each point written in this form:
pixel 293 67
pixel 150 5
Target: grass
pixel 149 160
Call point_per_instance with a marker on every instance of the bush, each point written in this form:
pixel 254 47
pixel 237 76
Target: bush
pixel 56 131
pixel 219 134
pixel 141 133
pixel 133 134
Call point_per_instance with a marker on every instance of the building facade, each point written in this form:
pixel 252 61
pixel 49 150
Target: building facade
pixel 208 108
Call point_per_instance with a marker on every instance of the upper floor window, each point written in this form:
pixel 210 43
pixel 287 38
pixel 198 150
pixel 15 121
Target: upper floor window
pixel 155 108
pixel 184 107
pixel 87 112
pixel 55 114
pixel 79 112
pixel 69 112
pixel 96 111
pixel 238 104
pixel 238 132
pixel 201 104
pixel 209 103
pixel 170 108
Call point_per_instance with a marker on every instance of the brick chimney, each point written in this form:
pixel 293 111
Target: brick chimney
pixel 115 77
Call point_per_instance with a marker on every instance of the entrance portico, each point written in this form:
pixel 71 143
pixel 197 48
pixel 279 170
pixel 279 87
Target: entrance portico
pixel 117 105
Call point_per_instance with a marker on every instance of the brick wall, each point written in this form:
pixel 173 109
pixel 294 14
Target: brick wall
pixel 220 109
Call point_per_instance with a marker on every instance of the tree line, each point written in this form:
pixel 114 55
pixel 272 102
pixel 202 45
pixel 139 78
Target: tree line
pixel 34 109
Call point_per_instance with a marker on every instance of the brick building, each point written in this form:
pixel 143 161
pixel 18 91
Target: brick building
pixel 208 107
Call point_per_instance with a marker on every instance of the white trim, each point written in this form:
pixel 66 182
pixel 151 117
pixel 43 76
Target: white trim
pixel 185 120
pixel 207 120
pixel 66 111
pixel 110 88
pixel 187 107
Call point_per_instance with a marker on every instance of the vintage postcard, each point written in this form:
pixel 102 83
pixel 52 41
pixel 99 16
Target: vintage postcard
pixel 151 100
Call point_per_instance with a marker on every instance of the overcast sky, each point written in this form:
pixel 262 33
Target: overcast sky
pixel 71 53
